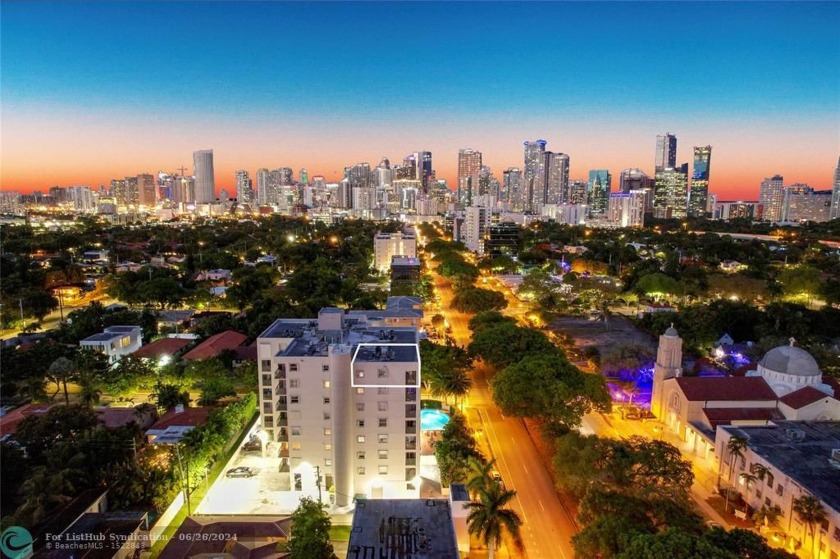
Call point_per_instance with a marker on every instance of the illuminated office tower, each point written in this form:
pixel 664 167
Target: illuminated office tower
pixel 534 175
pixel 423 168
pixel 512 182
pixel 469 167
pixel 666 151
pixel 598 192
pixel 119 192
pixel 835 192
pixel 577 192
pixel 147 193
pixel 556 189
pixel 771 196
pixel 303 177
pixel 263 185
pixel 132 193
pixel 670 195
pixel 698 195
pixel 632 179
pixel 243 187
pixel 205 177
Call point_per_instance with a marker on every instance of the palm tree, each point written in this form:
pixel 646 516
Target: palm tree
pixel 89 391
pixel 62 371
pixel 768 516
pixel 457 384
pixel 810 510
pixel 480 479
pixel 44 492
pixel 489 519
pixel 735 447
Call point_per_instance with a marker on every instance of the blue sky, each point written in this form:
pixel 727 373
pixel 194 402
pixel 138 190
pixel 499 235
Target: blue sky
pixel 357 68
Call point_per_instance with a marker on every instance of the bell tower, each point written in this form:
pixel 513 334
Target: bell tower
pixel 668 365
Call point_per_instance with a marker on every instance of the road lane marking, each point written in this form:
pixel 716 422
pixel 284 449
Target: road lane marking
pixel 526 469
pixel 541 505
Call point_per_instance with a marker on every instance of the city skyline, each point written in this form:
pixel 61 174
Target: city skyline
pixel 767 101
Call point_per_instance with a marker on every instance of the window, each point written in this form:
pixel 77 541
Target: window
pixel 265 365
pixel 360 406
pixel 360 439
pixel 293 367
pixel 326 416
pixel 266 379
pixel 327 431
pixel 294 399
pixel 360 374
pixel 326 384
pixel 360 391
pixel 780 490
pixel 294 383
pixel 360 455
pixel 382 373
pixel 326 400
pixel 327 446
pixel 295 446
pixel 383 470
pixel 360 423
pixel 410 425
pixel 382 390
pixel 383 422
pixel 325 368
pixel 410 459
pixel 383 454
pixel 410 487
pixel 837 533
pixel 411 377
pixel 360 470
pixel 383 406
pixel 296 431
pixel 410 394
pixel 327 461
pixel 383 439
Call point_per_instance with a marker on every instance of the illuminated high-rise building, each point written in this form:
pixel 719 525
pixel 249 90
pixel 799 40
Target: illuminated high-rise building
pixel 119 192
pixel 835 192
pixel 243 187
pixel 512 185
pixel 422 167
pixel 771 196
pixel 598 192
pixel 205 177
pixel 666 151
pixel 556 189
pixel 632 179
pixel 670 195
pixel 577 191
pixel 469 167
pixel 147 192
pixel 263 180
pixel 698 195
pixel 132 191
pixel 534 174
pixel 303 177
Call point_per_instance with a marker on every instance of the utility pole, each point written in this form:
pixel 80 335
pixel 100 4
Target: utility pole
pixel 184 478
pixel 318 481
pixel 23 320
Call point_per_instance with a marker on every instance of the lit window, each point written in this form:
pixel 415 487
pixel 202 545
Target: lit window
pixel 296 431
pixel 295 446
pixel 360 391
pixel 360 374
pixel 327 431
pixel 383 439
pixel 360 439
pixel 327 446
pixel 327 461
pixel 383 470
pixel 326 384
pixel 266 365
pixel 360 470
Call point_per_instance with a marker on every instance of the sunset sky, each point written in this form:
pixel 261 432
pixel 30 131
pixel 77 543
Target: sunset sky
pixel 95 91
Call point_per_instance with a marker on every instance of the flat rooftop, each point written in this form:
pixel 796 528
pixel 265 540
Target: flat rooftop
pixel 806 461
pixel 399 528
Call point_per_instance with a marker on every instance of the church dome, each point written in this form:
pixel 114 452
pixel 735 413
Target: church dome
pixel 790 360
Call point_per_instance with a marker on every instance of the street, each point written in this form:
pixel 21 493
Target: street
pixel 547 527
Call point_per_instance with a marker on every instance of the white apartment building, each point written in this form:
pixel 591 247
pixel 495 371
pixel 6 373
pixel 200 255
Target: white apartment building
pixel 115 341
pixel 626 209
pixel 388 245
pixel 476 228
pixel 339 400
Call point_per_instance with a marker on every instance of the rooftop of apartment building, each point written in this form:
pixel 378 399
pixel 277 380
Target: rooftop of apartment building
pixel 402 528
pixel 803 451
pixel 407 232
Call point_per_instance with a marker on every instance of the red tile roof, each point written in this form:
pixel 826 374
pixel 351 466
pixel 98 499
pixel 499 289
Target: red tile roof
pixel 724 416
pixel 10 421
pixel 803 397
pixel 163 346
pixel 189 417
pixel 214 345
pixel 718 389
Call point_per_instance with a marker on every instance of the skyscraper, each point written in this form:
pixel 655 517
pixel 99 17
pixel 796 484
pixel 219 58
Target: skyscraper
pixel 205 178
pixel 771 196
pixel 600 185
pixel 534 176
pixel 512 181
pixel 146 190
pixel 698 196
pixel 577 191
pixel 423 168
pixel 666 151
pixel 556 189
pixel 835 192
pixel 303 177
pixel 670 195
pixel 263 178
pixel 632 179
pixel 119 192
pixel 243 187
pixel 132 191
pixel 469 166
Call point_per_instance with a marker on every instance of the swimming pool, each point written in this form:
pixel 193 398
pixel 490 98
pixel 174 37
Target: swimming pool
pixel 433 420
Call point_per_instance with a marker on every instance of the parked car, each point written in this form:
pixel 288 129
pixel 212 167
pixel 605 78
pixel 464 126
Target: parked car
pixel 241 471
pixel 253 444
pixel 497 477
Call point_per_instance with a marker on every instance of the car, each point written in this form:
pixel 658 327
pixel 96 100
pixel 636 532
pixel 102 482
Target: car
pixel 497 477
pixel 251 445
pixel 241 471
